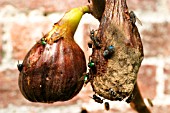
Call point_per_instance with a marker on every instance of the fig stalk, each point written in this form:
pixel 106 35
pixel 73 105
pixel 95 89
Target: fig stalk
pixel 67 25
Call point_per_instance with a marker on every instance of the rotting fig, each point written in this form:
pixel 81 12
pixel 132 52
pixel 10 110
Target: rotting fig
pixel 115 73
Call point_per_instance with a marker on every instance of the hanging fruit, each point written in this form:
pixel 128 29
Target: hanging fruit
pixel 53 68
pixel 117 61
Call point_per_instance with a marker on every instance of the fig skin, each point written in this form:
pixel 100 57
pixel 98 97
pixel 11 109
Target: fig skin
pixel 53 69
pixel 52 72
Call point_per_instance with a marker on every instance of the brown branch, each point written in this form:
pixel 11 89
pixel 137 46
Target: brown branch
pixel 138 103
pixel 97 8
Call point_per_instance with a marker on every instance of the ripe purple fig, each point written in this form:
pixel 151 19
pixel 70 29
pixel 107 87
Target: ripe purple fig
pixel 53 69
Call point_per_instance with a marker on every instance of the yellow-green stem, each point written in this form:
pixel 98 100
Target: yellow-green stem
pixel 67 25
pixel 74 16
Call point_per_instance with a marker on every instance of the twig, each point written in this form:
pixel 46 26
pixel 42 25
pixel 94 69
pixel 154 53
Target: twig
pixel 138 103
pixel 97 8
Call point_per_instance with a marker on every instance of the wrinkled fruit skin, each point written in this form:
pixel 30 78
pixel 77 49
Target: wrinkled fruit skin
pixel 52 72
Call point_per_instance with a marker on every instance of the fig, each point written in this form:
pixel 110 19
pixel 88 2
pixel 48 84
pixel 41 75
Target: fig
pixel 118 54
pixel 53 68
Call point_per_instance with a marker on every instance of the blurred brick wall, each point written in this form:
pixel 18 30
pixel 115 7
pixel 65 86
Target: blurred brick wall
pixel 23 22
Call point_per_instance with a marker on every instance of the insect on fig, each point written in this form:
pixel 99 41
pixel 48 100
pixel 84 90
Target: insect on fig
pixel 19 66
pixel 43 42
pixel 94 39
pixel 133 18
pixel 91 64
pixel 97 99
pixel 112 92
pixel 86 78
pixel 108 52
pixel 130 98
pixel 90 45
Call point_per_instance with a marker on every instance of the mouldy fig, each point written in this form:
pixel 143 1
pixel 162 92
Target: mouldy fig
pixel 53 68
pixel 118 60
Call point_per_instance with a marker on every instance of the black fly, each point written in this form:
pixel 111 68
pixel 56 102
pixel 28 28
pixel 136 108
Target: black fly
pixel 108 52
pixel 107 106
pixel 97 99
pixel 20 66
pixel 133 18
pixel 94 39
pixel 130 98
pixel 83 110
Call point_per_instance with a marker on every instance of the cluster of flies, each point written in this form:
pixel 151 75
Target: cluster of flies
pixel 107 53
pixel 95 43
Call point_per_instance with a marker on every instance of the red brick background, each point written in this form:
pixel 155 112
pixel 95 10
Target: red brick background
pixel 23 22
